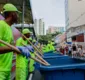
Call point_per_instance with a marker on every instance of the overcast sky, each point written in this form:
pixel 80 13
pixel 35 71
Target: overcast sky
pixel 52 11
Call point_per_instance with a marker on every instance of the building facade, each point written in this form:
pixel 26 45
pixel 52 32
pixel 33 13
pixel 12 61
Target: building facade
pixel 75 20
pixel 39 27
pixel 52 29
pixel 60 39
pixel 36 26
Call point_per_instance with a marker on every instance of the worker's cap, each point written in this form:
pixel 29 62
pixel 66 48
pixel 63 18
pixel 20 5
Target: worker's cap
pixel 30 39
pixel 10 8
pixel 34 40
pixel 26 31
pixel 52 43
pixel 31 32
pixel 44 45
pixel 49 41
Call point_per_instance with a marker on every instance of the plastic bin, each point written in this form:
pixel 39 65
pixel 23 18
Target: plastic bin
pixel 63 69
pixel 52 55
pixel 37 66
pixel 52 52
pixel 49 56
pixel 48 52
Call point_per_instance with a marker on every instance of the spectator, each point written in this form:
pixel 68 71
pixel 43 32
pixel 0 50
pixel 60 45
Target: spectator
pixel 74 50
pixel 69 50
pixel 62 50
pixel 66 50
pixel 80 50
pixel 83 53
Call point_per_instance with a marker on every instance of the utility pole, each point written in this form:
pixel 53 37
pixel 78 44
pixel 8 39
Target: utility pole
pixel 23 11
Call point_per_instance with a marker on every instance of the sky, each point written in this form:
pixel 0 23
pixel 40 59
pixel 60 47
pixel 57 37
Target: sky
pixel 51 11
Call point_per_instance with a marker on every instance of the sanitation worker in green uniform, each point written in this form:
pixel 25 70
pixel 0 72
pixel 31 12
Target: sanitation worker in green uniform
pixel 6 53
pixel 22 61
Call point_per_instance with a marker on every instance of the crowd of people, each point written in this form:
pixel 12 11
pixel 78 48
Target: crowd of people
pixel 73 50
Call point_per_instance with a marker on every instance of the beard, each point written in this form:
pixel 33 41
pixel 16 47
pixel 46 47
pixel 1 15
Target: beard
pixel 14 20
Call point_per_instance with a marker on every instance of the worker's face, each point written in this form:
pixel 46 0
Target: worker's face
pixel 14 17
pixel 33 42
pixel 27 35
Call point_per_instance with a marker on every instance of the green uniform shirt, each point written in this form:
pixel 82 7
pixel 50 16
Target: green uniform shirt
pixel 50 47
pixel 21 61
pixel 52 43
pixel 6 35
pixel 44 49
pixel 31 63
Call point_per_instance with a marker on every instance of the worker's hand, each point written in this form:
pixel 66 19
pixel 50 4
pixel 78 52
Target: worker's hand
pixel 24 51
pixel 36 43
pixel 30 48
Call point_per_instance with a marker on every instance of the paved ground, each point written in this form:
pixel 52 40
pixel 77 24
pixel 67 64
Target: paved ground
pixel 37 75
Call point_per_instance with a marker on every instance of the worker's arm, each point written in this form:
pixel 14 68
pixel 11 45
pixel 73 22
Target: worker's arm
pixel 5 50
pixel 24 51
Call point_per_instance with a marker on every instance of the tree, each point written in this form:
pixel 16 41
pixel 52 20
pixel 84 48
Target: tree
pixel 44 38
pixel 47 37
pixel 56 33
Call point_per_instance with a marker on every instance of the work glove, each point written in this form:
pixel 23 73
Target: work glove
pixel 36 43
pixel 30 48
pixel 24 51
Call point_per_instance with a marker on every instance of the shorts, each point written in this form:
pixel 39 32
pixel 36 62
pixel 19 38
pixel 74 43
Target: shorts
pixel 21 74
pixel 80 52
pixel 5 75
pixel 69 52
pixel 74 52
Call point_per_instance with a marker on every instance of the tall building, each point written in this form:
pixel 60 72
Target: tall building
pixel 39 27
pixel 75 20
pixel 43 28
pixel 54 29
pixel 36 26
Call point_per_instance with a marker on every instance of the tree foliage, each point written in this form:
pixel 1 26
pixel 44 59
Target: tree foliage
pixel 47 37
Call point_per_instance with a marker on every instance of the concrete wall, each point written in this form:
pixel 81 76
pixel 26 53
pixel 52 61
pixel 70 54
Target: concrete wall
pixel 76 13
